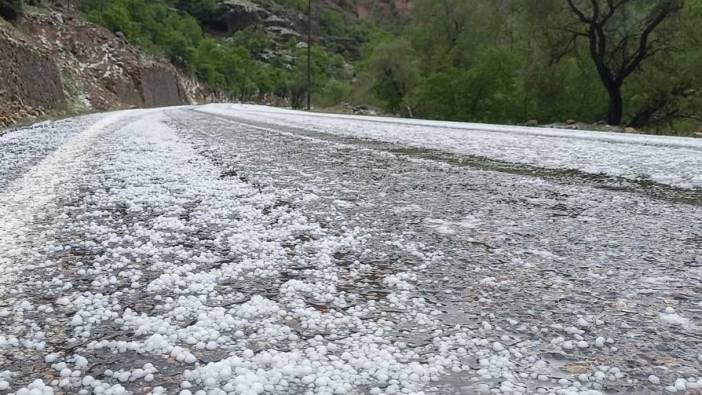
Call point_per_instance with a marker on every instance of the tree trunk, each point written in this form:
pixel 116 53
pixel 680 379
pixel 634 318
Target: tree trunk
pixel 616 106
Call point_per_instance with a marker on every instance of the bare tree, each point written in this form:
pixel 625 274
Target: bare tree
pixel 621 35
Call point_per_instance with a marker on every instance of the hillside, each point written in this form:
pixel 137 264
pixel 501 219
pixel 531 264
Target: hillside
pixel 99 55
pixel 511 62
pixel 56 62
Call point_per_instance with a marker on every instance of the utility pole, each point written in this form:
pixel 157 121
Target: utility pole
pixel 309 55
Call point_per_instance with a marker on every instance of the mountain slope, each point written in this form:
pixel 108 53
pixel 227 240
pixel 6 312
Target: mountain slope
pixel 58 62
pixel 118 54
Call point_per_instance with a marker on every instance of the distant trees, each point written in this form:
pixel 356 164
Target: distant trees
pixel 394 70
pixel 631 62
pixel 244 65
pixel 621 35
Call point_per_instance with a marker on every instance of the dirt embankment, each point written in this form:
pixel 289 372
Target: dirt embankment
pixel 53 62
pixel 31 82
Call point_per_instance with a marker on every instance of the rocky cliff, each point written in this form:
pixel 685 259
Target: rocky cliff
pixel 52 62
pixel 31 81
pixel 285 22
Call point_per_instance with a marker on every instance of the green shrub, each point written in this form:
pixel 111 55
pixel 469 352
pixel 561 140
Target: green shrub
pixel 393 67
pixel 334 92
pixel 242 64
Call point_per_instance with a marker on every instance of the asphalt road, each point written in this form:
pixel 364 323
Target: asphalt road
pixel 226 250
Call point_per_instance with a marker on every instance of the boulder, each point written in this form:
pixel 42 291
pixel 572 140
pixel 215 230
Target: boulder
pixel 235 15
pixel 532 123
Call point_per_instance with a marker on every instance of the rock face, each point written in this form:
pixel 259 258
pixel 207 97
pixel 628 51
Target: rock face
pixel 29 81
pixel 235 15
pixel 53 62
pixel 162 87
pixel 286 22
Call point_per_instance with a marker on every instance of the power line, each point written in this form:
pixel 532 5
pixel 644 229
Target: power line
pixel 309 55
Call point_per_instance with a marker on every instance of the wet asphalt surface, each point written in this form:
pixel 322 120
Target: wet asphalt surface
pixel 527 257
pixel 553 250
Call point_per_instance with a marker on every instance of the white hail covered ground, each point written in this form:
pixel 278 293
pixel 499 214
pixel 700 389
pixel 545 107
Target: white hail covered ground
pixel 675 161
pixel 122 198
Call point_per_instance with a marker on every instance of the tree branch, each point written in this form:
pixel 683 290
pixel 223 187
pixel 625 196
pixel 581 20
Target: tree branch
pixel 578 12
pixel 641 53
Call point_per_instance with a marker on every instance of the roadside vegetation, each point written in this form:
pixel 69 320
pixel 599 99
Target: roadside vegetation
pixel 243 65
pixel 500 62
pixel 622 62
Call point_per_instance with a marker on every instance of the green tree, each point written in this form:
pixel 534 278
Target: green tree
pixel 620 35
pixel 394 70
pixel 334 92
pixel 668 92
